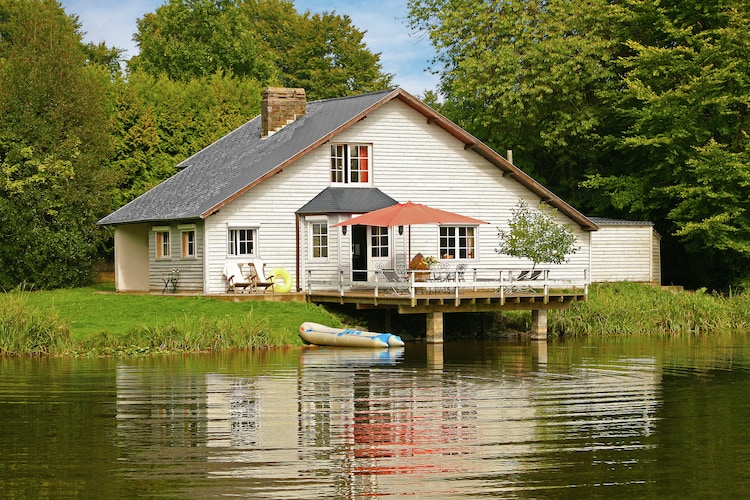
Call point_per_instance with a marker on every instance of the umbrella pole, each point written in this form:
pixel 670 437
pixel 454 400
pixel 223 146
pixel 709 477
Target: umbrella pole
pixel 408 254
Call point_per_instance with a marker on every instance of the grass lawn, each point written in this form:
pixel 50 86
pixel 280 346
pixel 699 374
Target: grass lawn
pixel 89 311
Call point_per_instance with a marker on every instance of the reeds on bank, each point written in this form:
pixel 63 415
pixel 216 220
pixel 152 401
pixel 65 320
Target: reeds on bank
pixel 82 321
pixel 636 309
pixel 29 330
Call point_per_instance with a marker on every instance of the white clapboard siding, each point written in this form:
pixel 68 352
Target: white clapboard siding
pixel 411 161
pixel 626 251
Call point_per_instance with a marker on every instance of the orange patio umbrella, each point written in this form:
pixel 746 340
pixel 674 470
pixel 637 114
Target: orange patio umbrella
pixel 408 214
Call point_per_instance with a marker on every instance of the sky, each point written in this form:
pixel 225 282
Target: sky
pixel 403 54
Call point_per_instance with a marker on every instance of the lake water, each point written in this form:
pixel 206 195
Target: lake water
pixel 609 418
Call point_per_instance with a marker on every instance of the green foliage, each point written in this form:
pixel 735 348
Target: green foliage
pixel 185 39
pixel 627 109
pixel 267 41
pixel 26 330
pixel 53 143
pixel 536 236
pixel 524 76
pixel 635 309
pixel 161 122
pixel 331 60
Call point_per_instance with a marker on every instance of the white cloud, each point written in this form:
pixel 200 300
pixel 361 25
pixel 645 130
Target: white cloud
pixel 406 57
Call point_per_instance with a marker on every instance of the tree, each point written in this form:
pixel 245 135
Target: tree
pixel 684 149
pixel 626 109
pixel 53 145
pixel 525 76
pixel 161 122
pixel 331 60
pixel 185 39
pixel 263 40
pixel 535 235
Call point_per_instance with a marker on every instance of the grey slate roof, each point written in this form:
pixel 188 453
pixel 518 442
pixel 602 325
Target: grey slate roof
pixel 240 160
pixel 228 166
pixel 340 200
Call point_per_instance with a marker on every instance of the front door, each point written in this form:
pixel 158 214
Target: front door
pixel 359 253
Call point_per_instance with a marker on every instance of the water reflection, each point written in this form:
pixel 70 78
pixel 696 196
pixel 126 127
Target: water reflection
pixel 509 419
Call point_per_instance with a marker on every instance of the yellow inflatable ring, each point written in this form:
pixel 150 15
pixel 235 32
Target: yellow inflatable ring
pixel 282 282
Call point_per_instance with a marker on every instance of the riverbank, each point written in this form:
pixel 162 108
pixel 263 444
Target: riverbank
pixel 92 321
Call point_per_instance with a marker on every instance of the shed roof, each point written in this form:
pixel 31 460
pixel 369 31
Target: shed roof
pixel 242 159
pixel 604 221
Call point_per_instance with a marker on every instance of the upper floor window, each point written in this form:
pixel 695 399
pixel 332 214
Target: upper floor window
pixel 350 163
pixel 163 245
pixel 319 240
pixel 241 242
pixel 457 242
pixel 379 241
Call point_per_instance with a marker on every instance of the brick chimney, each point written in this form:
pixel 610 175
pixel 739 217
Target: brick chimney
pixel 280 107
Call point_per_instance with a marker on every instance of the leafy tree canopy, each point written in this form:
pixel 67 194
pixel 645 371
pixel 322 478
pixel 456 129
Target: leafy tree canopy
pixel 628 109
pixel 264 40
pixel 53 143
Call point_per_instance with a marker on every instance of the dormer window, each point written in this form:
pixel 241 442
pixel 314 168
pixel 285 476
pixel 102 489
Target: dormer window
pixel 350 163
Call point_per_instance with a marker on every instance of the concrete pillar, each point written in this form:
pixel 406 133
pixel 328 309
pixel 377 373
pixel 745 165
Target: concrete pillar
pixel 435 328
pixel 539 324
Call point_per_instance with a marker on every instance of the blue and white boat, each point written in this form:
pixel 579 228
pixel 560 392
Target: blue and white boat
pixel 317 334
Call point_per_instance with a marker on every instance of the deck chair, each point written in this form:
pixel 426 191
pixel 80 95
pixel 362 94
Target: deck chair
pixel 525 276
pixel 394 280
pixel 460 272
pixel 235 278
pixel 258 276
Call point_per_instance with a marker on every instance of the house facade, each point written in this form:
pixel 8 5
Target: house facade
pixel 272 190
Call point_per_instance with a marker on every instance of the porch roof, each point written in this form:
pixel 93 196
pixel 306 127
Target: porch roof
pixel 347 200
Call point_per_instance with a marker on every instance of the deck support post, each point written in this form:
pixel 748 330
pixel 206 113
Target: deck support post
pixel 435 328
pixel 538 324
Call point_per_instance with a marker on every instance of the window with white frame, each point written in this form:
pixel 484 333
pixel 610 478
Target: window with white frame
pixel 241 242
pixel 379 241
pixel 350 163
pixel 163 245
pixel 188 243
pixel 319 239
pixel 457 242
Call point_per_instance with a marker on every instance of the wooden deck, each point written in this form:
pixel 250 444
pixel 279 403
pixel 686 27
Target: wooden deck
pixel 465 300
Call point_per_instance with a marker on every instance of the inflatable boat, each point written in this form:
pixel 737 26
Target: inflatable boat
pixel 314 333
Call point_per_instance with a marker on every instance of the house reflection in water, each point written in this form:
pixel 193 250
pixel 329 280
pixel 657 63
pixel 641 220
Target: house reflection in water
pixel 362 422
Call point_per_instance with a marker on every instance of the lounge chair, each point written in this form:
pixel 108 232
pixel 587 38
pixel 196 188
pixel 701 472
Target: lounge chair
pixel 524 276
pixel 258 276
pixel 235 278
pixel 397 283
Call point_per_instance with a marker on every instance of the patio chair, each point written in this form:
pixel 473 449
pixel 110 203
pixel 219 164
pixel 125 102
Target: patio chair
pixel 524 276
pixel 440 273
pixel 235 278
pixel 397 283
pixel 258 276
pixel 461 272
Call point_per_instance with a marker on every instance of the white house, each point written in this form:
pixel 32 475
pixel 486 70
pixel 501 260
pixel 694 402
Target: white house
pixel 273 188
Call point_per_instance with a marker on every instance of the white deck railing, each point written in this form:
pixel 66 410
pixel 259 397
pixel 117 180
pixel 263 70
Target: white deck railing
pixel 505 284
